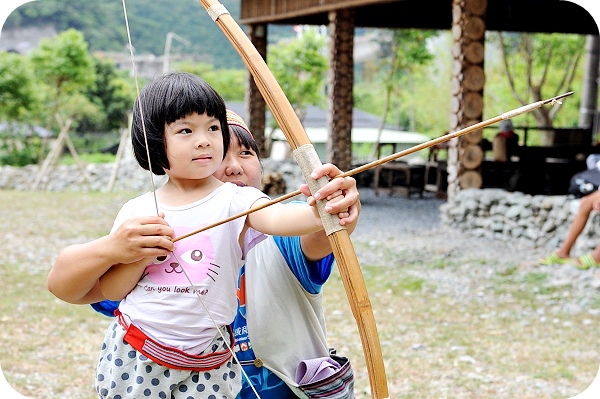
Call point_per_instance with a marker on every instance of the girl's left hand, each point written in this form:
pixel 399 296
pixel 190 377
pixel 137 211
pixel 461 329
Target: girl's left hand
pixel 341 194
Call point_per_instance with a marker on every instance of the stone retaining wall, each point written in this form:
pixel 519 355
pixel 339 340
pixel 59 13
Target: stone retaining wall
pixel 130 177
pixel 500 215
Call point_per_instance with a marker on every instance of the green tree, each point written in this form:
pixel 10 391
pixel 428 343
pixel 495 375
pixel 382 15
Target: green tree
pixel 112 94
pixel 539 66
pixel 426 99
pixel 405 50
pixel 300 66
pixel 229 83
pixel 18 97
pixel 64 68
pixel 64 65
pixel 409 85
pixel 18 105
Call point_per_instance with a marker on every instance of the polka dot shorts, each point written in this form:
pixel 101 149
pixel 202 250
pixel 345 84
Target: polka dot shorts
pixel 124 373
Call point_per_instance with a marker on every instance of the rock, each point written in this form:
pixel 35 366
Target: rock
pixel 505 215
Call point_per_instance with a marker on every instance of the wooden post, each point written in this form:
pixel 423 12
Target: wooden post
pixel 254 102
pixel 125 134
pixel 78 162
pixel 55 152
pixel 468 78
pixel 118 158
pixel 340 81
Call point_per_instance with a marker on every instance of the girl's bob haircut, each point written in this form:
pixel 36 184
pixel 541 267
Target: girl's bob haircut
pixel 163 101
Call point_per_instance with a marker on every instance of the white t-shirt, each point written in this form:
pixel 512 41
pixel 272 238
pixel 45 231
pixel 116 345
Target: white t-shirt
pixel 164 304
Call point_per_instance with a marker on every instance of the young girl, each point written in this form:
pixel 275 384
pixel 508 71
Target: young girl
pixel 171 336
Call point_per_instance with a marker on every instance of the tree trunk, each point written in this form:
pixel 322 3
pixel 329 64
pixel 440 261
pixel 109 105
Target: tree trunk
pixel 255 103
pixel 589 95
pixel 340 83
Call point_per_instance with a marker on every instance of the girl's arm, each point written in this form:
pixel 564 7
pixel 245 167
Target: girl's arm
pixel 75 275
pixel 297 219
pixel 120 279
pixel 293 219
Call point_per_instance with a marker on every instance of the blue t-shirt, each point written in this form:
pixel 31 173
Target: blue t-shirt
pixel 106 307
pixel 312 276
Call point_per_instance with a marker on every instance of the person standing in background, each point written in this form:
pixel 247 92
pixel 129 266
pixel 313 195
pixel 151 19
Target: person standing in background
pixel 505 142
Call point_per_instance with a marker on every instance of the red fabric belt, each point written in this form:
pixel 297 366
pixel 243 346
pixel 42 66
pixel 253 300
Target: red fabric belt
pixel 172 357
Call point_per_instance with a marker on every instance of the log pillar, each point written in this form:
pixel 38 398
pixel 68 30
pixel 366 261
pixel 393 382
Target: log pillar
pixel 254 102
pixel 340 80
pixel 464 153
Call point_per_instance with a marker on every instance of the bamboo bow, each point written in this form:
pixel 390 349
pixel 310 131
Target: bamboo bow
pixel 339 239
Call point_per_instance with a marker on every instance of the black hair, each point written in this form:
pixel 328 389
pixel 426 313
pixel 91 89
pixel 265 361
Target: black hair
pixel 165 100
pixel 244 138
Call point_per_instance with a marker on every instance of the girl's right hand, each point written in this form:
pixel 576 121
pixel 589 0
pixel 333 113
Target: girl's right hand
pixel 142 237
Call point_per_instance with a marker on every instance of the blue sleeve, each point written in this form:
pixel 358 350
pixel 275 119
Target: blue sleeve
pixel 106 307
pixel 312 275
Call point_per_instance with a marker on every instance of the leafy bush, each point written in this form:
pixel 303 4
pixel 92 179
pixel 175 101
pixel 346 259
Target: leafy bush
pixel 19 151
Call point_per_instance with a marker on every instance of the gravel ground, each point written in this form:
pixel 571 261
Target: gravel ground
pixel 394 230
pixel 411 230
pixel 415 223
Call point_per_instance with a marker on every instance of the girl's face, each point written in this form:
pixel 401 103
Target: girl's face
pixel 241 166
pixel 194 146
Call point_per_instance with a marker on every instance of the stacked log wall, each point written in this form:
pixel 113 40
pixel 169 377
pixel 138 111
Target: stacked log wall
pixel 465 154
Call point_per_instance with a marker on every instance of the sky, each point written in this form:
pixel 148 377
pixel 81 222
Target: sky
pixel 8 6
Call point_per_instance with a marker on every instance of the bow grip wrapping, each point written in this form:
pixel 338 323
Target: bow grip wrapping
pixel 307 158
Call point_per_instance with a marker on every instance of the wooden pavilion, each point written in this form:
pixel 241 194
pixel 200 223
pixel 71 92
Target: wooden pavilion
pixel 468 21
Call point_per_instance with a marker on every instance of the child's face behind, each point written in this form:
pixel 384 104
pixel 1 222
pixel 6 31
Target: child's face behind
pixel 194 146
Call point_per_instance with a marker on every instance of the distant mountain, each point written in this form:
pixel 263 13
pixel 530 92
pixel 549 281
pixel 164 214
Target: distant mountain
pixel 103 24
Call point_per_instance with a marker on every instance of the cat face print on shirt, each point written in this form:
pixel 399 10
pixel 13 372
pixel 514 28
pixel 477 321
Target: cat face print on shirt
pixel 197 258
